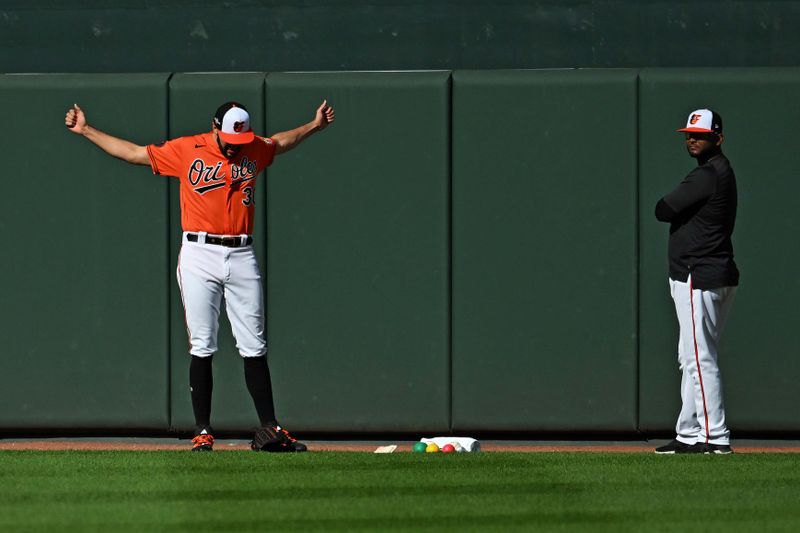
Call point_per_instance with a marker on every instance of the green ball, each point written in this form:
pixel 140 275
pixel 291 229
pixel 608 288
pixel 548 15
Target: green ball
pixel 419 447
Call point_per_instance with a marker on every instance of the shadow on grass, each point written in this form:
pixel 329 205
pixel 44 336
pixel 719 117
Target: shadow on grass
pixel 278 493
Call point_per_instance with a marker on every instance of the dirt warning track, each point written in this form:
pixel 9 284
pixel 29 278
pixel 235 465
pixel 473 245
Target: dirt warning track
pixel 313 446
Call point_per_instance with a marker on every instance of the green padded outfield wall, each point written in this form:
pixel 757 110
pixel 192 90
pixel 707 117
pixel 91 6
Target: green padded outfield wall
pixel 85 292
pixel 358 253
pixel 544 250
pixel 346 35
pixel 554 245
pixel 759 350
pixel 193 100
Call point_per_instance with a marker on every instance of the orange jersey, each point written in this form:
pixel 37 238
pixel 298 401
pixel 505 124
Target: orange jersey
pixel 217 194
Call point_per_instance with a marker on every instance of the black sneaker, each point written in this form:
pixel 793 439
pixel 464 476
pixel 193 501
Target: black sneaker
pixel 677 446
pixel 718 449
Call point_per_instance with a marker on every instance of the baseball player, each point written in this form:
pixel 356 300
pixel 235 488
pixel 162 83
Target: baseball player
pixel 217 172
pixel 703 278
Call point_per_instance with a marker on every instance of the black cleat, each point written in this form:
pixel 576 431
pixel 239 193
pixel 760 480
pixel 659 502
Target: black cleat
pixel 718 449
pixel 276 439
pixel 676 446
pixel 295 444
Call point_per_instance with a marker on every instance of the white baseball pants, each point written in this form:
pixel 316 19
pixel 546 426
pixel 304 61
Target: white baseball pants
pixel 209 274
pixel 701 316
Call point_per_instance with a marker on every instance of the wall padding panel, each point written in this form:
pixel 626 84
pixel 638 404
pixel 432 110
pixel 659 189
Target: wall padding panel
pixel 85 304
pixel 758 354
pixel 194 98
pixel 358 253
pixel 544 250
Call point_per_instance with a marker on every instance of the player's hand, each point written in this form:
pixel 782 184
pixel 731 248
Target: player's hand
pixel 325 115
pixel 75 120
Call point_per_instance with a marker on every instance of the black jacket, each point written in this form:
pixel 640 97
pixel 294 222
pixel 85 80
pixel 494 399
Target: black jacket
pixel 702 213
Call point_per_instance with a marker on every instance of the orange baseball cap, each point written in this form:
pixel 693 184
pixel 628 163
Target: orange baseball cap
pixel 233 123
pixel 703 121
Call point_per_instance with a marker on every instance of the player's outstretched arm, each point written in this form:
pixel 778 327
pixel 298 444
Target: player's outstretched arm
pixel 286 140
pixel 75 121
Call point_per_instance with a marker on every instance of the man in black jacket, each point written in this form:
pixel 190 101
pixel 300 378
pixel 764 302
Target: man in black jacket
pixel 703 278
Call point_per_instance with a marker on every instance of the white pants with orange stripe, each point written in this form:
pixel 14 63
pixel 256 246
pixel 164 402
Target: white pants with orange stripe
pixel 701 316
pixel 209 274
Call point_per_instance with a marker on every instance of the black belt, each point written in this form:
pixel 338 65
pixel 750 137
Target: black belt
pixel 230 242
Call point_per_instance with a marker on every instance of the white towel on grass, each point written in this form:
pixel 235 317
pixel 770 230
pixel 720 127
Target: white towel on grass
pixel 467 444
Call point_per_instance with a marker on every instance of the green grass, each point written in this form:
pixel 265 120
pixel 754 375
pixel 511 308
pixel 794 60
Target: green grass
pixel 245 491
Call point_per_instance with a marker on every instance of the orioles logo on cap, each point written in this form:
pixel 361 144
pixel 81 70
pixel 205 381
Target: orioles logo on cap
pixel 695 118
pixel 237 126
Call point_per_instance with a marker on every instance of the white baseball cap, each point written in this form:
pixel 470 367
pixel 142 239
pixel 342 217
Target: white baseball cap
pixel 703 121
pixel 233 123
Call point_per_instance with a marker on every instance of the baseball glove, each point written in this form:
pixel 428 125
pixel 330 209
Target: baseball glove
pixel 271 439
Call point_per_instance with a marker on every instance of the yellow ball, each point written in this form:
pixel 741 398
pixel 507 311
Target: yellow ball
pixel 431 448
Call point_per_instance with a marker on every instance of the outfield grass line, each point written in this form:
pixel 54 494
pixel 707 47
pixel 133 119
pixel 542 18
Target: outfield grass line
pixel 125 491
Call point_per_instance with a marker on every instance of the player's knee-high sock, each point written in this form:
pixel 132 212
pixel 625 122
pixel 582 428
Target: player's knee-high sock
pixel 201 383
pixel 259 383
